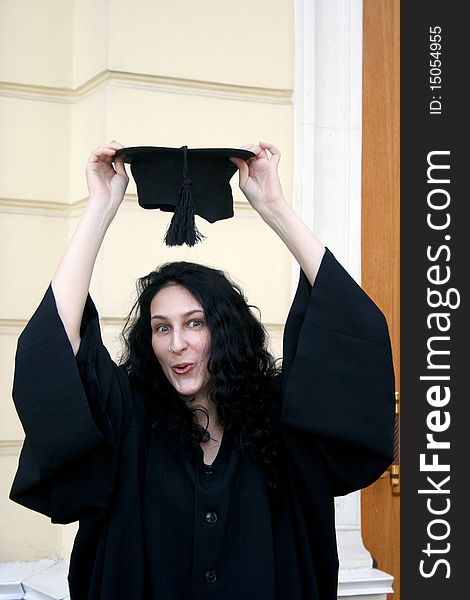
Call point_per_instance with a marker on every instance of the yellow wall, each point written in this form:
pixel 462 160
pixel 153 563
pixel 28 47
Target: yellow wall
pixel 75 74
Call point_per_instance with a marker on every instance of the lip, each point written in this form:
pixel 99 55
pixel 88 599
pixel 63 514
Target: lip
pixel 183 368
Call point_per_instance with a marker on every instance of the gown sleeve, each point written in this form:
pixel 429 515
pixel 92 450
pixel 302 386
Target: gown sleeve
pixel 72 409
pixel 337 382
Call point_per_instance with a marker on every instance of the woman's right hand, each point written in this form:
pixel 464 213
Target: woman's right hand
pixel 107 181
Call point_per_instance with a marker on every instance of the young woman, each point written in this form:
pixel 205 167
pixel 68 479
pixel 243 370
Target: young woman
pixel 197 468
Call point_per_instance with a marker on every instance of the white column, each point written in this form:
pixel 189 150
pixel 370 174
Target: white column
pixel 327 193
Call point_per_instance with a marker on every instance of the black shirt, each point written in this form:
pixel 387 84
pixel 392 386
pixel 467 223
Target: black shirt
pixel 155 522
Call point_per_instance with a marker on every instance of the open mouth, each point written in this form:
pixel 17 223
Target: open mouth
pixel 182 368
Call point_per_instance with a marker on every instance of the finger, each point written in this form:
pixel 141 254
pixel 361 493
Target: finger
pixel 243 170
pixel 275 153
pixel 102 151
pixel 107 150
pixel 271 147
pixel 116 145
pixel 257 151
pixel 252 148
pixel 120 167
pixel 236 161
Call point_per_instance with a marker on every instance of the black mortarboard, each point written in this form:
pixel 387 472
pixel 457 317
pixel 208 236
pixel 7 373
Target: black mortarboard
pixel 184 181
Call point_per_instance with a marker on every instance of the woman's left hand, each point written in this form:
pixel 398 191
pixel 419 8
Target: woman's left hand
pixel 259 179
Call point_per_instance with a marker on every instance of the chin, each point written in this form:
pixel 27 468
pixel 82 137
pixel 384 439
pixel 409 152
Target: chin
pixel 188 390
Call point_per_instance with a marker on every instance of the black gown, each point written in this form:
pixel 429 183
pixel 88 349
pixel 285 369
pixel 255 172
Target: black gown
pixel 160 524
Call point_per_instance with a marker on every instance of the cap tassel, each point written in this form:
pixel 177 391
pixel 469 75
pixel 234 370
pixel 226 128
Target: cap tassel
pixel 182 228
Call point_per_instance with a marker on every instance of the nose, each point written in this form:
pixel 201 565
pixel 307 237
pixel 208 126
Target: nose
pixel 178 341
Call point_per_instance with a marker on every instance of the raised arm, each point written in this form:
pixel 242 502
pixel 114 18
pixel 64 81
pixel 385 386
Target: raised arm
pixel 107 183
pixel 259 181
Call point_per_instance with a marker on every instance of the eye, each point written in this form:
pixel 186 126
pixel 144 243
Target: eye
pixel 162 328
pixel 194 323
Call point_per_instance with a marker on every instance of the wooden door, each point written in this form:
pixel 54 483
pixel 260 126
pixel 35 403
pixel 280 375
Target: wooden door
pixel 380 240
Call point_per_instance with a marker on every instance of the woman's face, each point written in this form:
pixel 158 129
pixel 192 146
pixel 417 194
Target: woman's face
pixel 178 321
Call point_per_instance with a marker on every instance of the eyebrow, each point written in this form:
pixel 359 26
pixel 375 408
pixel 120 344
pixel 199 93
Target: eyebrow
pixel 186 314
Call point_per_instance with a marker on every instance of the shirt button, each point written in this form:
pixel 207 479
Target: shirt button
pixel 209 470
pixel 211 517
pixel 210 576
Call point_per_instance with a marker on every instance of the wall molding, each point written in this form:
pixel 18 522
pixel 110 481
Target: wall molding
pixel 10 448
pixel 12 326
pixel 65 95
pixel 42 208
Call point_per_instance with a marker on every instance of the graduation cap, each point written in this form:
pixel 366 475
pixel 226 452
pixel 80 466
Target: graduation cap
pixel 185 181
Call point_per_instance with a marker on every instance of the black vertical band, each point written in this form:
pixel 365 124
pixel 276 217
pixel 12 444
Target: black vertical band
pixel 434 299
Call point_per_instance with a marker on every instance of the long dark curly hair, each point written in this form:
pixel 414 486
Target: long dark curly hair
pixel 240 365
